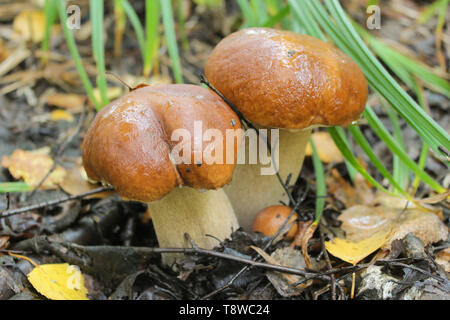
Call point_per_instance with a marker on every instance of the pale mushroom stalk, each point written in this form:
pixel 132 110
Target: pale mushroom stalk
pixel 207 217
pixel 251 191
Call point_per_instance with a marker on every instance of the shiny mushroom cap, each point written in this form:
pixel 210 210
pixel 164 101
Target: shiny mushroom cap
pixel 129 143
pixel 270 219
pixel 287 80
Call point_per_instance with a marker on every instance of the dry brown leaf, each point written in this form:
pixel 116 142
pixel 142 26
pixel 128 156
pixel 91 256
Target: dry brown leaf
pixel 4 242
pixel 73 102
pixel 326 148
pixel 360 193
pixel 111 92
pixel 30 25
pixel 32 166
pixel 307 235
pixel 283 282
pixel 443 258
pixel 360 222
pixel 76 182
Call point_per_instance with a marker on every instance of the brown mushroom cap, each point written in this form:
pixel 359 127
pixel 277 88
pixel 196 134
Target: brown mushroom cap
pixel 287 80
pixel 270 219
pixel 129 141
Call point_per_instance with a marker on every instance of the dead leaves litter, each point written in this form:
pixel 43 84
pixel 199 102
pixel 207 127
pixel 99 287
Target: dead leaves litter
pixel 32 166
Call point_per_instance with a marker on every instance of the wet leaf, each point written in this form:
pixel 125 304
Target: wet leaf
pixel 30 25
pixel 32 166
pixel 76 182
pixel 360 222
pixel 59 282
pixel 353 252
pixel 326 148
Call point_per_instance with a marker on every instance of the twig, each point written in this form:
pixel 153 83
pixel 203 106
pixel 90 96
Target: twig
pixel 8 213
pixel 329 266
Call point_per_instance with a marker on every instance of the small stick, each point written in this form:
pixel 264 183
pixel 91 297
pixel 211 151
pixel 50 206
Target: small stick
pixel 8 213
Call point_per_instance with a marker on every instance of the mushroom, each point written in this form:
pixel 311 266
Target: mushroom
pixel 270 219
pixel 280 79
pixel 135 145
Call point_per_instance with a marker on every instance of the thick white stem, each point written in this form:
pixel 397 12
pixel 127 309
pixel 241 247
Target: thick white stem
pixel 250 192
pixel 186 210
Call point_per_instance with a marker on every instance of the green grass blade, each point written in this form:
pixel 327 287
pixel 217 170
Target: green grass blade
pixel 136 23
pixel 51 14
pixel 348 154
pixel 152 19
pixel 384 135
pixel 280 15
pixel 400 172
pixel 364 144
pixel 96 11
pixel 181 25
pixel 321 189
pixel 14 187
pixel 250 19
pixel 61 4
pixel 169 30
pixel 382 81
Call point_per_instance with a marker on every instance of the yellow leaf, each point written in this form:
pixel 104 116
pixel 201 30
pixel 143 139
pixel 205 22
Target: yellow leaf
pixel 61 115
pixel 59 282
pixel 353 252
pixel 30 25
pixel 32 166
pixel 111 92
pixel 326 148
pixel 74 102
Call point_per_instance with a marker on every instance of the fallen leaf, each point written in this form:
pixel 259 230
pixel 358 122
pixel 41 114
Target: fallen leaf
pixel 32 166
pixel 283 282
pixel 360 222
pixel 326 148
pixel 63 115
pixel 349 195
pixel 76 182
pixel 307 235
pixel 353 252
pixel 71 101
pixel 58 282
pixel 443 258
pixel 4 242
pixel 30 25
pixel 111 92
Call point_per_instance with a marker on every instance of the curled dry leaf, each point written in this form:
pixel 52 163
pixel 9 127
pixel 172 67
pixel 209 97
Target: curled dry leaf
pixel 283 282
pixel 32 166
pixel 360 222
pixel 326 148
pixel 30 25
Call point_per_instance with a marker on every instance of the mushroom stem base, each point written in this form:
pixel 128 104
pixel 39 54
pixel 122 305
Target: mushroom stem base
pixel 186 210
pixel 250 192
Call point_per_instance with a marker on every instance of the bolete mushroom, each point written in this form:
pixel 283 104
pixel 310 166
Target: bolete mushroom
pixel 270 219
pixel 149 145
pixel 281 79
